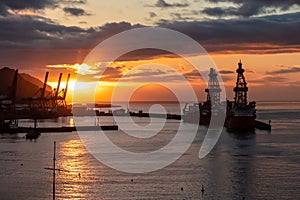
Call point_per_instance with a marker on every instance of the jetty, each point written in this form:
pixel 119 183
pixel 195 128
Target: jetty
pixel 155 115
pixel 63 129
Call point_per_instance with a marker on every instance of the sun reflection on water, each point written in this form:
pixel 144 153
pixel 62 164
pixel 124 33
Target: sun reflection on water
pixel 76 179
pixel 71 122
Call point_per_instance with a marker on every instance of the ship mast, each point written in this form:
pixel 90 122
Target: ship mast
pixel 213 91
pixel 241 89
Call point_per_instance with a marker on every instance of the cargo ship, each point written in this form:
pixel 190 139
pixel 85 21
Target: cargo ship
pixel 241 115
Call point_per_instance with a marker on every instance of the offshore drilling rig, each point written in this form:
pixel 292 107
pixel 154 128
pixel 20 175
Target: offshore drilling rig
pixel 204 111
pixel 241 115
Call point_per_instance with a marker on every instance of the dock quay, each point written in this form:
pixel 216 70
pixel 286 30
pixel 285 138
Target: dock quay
pixel 63 129
pixel 155 115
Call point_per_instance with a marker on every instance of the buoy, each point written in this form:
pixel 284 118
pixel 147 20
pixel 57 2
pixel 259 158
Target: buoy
pixel 131 180
pixel 181 188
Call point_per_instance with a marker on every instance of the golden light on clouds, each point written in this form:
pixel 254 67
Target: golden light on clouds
pixel 82 69
pixel 131 74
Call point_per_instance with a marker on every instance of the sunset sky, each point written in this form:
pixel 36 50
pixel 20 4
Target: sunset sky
pixel 51 35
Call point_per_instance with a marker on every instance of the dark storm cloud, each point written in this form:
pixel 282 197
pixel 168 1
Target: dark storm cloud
pixel 146 73
pixel 115 73
pixel 37 32
pixel 255 35
pixel 266 3
pixel 74 2
pixel 269 79
pixel 152 14
pixel 285 71
pixel 233 11
pixel 164 4
pixel 226 72
pixel 216 11
pixel 193 75
pixel 249 8
pixel 28 31
pixel 38 41
pixel 227 78
pixel 112 73
pixel 25 4
pixel 215 35
pixel 5 5
pixel 33 42
pixel 76 11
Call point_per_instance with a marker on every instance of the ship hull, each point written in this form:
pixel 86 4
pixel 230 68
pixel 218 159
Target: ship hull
pixel 205 119
pixel 191 118
pixel 194 119
pixel 240 123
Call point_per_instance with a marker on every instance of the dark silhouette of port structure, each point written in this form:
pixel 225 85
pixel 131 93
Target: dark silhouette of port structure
pixel 39 106
pixel 53 105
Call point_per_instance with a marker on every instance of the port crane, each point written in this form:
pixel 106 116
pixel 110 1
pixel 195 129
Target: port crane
pixel 54 103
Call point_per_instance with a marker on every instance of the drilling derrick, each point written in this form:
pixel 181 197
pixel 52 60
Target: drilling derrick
pixel 241 89
pixel 240 114
pixel 213 91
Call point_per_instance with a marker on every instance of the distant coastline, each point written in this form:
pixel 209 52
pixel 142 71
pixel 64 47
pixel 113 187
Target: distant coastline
pixel 173 102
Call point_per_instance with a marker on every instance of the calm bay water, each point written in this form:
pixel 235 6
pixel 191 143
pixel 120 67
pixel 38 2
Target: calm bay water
pixel 255 166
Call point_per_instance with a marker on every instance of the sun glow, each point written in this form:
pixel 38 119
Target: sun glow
pixel 63 85
pixel 83 69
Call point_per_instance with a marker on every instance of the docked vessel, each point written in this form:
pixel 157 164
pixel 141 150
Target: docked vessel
pixel 202 112
pixel 241 115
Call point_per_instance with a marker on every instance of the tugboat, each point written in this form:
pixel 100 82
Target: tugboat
pixel 241 115
pixel 201 113
pixel 33 133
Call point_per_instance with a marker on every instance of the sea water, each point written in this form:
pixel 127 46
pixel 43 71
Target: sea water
pixel 264 165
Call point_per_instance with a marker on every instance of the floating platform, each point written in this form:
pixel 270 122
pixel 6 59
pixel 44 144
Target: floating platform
pixel 262 125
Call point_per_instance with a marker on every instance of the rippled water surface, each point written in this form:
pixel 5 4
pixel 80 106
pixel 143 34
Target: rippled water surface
pixel 255 166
